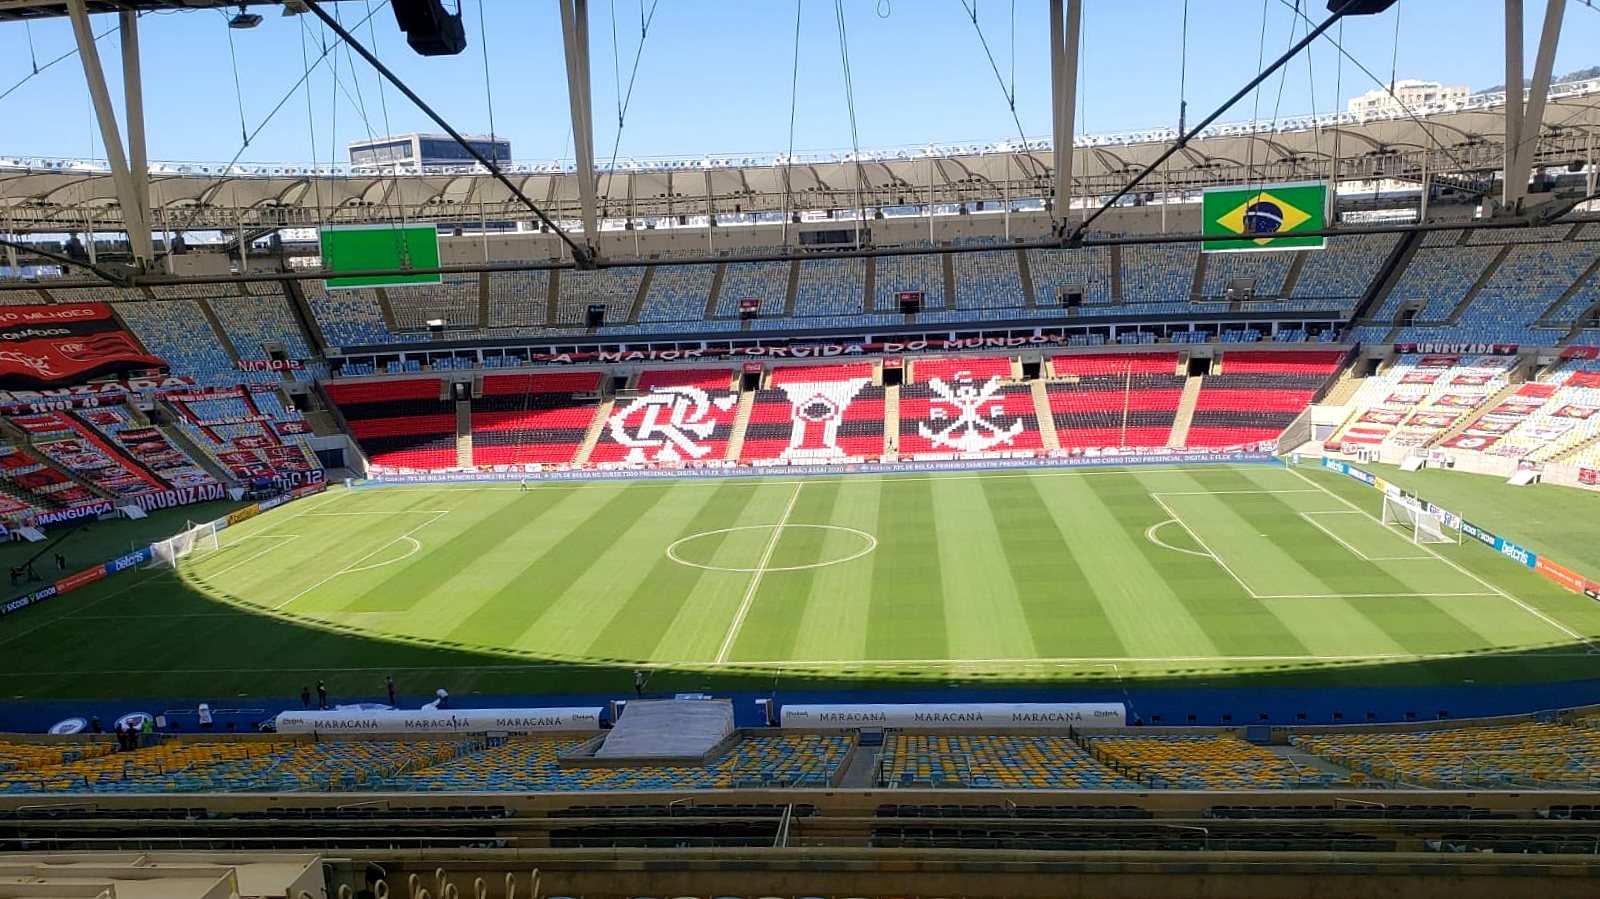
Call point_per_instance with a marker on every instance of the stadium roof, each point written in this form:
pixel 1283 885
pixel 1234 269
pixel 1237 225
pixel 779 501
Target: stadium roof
pixel 56 194
pixel 12 10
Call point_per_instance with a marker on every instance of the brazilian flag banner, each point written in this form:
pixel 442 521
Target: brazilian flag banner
pixel 1263 218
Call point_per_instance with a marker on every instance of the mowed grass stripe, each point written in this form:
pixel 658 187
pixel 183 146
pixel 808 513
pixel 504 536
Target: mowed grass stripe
pixel 698 631
pixel 443 559
pixel 1064 614
pixel 835 622
pixel 907 587
pixel 1189 586
pixel 637 630
pixel 984 618
pixel 772 626
pixel 542 579
pixel 616 571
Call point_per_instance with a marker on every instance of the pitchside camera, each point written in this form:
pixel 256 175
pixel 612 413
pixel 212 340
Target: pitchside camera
pixel 430 29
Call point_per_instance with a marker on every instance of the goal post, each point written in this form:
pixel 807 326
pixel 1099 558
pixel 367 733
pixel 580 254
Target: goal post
pixel 1411 517
pixel 192 539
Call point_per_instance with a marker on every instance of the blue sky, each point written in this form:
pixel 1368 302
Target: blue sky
pixel 715 77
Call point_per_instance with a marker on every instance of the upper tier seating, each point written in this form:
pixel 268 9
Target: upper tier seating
pixel 1269 271
pixel 1258 394
pixel 454 301
pixel 349 317
pixel 816 413
pixel 893 275
pixel 830 288
pixel 1114 399
pixel 177 332
pixel 967 406
pixel 518 299
pixel 254 321
pixel 613 288
pixel 1344 269
pixel 1158 273
pixel 532 419
pixel 989 280
pixel 678 293
pixel 400 423
pixel 682 415
pixel 766 282
pixel 1055 272
pixel 1439 277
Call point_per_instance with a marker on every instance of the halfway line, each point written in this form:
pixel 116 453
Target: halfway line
pixel 755 579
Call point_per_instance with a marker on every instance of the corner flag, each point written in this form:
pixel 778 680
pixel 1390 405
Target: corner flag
pixel 1264 218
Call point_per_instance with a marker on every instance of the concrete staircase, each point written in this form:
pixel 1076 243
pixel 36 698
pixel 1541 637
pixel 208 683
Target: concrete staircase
pixel 891 422
pixel 1343 388
pixel 747 400
pixel 463 434
pixel 1472 293
pixel 592 435
pixel 1185 416
pixel 1041 411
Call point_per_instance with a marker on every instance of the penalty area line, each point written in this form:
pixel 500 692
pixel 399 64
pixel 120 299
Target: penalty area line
pixel 356 565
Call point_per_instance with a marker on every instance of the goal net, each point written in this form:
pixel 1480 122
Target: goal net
pixel 1410 517
pixel 192 539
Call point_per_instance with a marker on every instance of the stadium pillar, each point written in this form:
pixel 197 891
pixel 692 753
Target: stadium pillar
pixel 1064 30
pixel 1539 90
pixel 575 38
pixel 133 107
pixel 134 215
pixel 1511 191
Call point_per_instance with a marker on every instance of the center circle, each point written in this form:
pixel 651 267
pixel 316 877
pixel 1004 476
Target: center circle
pixel 868 544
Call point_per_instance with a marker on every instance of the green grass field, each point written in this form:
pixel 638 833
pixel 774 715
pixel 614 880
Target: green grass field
pixel 1204 574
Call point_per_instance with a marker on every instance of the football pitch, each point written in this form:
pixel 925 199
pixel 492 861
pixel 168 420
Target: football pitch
pixel 1027 576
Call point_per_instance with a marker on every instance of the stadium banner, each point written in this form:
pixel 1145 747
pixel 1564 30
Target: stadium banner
pixel 453 721
pixel 357 248
pixel 1491 349
pixel 1240 457
pixel 76 513
pixel 270 365
pixel 1561 574
pixel 180 496
pixel 78 579
pixel 1588 477
pixel 1581 352
pixel 47 346
pixel 1235 220
pixel 961 715
pixel 1487 538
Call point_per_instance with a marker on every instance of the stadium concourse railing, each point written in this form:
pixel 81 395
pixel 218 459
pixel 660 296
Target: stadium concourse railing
pixel 1477 533
pixel 145 554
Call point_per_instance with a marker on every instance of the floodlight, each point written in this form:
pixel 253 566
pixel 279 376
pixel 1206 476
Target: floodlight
pixel 244 20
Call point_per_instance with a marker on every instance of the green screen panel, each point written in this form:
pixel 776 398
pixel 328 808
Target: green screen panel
pixel 377 247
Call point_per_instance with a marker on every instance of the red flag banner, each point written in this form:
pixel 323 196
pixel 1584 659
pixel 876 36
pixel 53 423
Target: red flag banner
pixel 47 346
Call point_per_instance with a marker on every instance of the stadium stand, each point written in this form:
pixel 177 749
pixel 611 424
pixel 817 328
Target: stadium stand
pixel 177 331
pixel 30 486
pixel 532 419
pixel 145 445
pixel 399 423
pixel 1437 279
pixel 991 761
pixel 1158 277
pixel 893 275
pixel 985 281
pixel 678 294
pixel 518 299
pixel 454 301
pixel 1198 763
pixel 1057 272
pixel 253 322
pixel 614 288
pixel 1344 269
pixel 830 292
pixel 348 317
pixel 699 405
pixel 967 406
pixel 765 282
pixel 78 449
pixel 249 433
pixel 1264 272
pixel 816 413
pixel 1258 394
pixel 1114 399
pixel 1528 754
pixel 1418 397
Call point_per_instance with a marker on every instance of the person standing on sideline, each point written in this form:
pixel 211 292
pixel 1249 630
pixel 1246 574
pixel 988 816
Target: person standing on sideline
pixel 61 562
pixel 639 679
pixel 204 713
pixel 522 485
pixel 95 726
pixel 443 699
pixel 322 695
pixel 305 698
pixel 388 686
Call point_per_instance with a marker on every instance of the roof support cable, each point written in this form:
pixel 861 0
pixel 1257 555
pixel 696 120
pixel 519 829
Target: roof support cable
pixel 580 255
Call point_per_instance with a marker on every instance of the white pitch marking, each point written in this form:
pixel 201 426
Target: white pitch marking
pixel 755 579
pixel 871 544
pixel 346 570
pixel 1150 534
pixel 286 538
pixel 1308 516
pixel 385 513
pixel 1230 492
pixel 1435 553
pixel 1202 544
pixel 416 547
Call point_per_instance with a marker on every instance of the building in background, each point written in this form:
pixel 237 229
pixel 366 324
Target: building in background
pixel 1407 93
pixel 419 152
